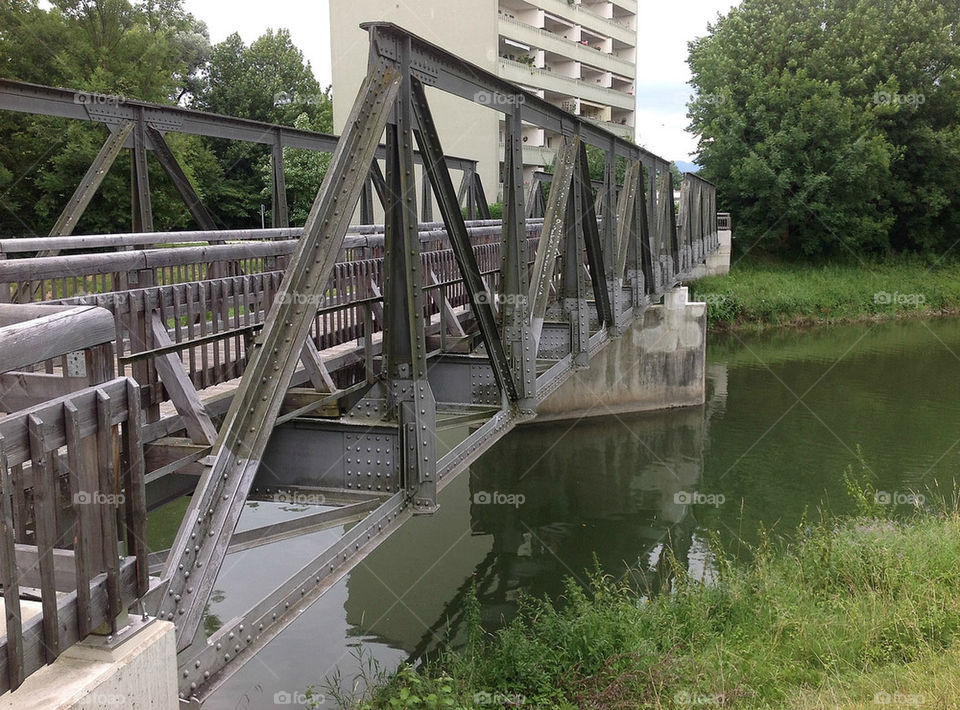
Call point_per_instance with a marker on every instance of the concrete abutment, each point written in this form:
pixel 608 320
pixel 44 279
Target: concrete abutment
pixel 658 363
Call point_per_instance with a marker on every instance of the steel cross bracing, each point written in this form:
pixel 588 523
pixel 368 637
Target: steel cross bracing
pixel 606 249
pixel 140 126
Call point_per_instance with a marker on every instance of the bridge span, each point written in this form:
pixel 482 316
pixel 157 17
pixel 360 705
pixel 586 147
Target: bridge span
pixel 316 363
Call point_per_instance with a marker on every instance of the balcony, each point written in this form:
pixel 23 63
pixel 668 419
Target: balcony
pixel 522 32
pixel 617 128
pixel 531 76
pixel 628 5
pixel 578 15
pixel 534 154
pixel 538 155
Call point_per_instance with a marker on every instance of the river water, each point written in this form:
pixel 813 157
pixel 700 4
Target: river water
pixel 786 414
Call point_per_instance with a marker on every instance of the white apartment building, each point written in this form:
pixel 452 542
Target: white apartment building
pixel 579 55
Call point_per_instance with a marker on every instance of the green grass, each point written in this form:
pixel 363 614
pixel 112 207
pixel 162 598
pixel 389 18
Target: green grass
pixel 762 295
pixel 848 609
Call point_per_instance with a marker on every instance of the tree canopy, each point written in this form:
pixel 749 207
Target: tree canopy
pixel 152 50
pixel 831 126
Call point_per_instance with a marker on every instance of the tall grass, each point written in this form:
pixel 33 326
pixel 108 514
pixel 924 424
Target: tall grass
pixel 847 613
pixel 759 295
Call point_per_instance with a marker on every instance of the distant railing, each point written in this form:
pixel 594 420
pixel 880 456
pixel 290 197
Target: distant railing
pixel 723 221
pixel 71 489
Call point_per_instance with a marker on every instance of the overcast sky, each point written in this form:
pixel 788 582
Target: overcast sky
pixel 662 90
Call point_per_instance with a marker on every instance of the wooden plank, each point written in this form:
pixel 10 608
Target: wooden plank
pixel 62 560
pixel 451 324
pixel 108 517
pixel 45 522
pixel 81 526
pixel 13 427
pixel 9 577
pixel 134 487
pixel 315 367
pixel 181 390
pixel 49 336
pixel 20 390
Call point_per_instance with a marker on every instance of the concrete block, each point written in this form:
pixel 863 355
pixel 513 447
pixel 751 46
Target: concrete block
pixel 658 363
pixel 139 673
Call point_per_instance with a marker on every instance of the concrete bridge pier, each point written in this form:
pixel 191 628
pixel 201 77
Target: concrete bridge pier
pixel 658 363
pixel 716 263
pixel 138 670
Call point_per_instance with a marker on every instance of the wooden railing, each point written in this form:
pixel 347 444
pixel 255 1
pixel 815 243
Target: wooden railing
pixel 180 310
pixel 72 522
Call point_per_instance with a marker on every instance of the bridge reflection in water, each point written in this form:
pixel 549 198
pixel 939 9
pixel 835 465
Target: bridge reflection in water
pixel 548 502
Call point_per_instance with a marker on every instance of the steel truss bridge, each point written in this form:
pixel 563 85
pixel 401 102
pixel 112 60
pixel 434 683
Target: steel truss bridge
pixel 143 372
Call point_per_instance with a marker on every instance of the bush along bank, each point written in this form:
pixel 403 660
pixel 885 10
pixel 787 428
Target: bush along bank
pixel 755 296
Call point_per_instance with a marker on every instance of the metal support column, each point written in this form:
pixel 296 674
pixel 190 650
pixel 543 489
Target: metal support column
pixel 592 242
pixel 574 288
pixel 279 215
pixel 140 188
pixel 519 339
pixel 409 395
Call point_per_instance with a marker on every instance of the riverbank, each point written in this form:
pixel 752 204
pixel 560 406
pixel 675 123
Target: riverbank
pixel 757 296
pixel 851 613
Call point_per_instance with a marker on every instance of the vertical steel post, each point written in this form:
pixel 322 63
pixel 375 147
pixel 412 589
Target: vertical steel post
pixel 519 343
pixel 142 212
pixel 366 203
pixel 404 341
pixel 574 288
pixel 279 216
pixel 614 280
pixel 426 205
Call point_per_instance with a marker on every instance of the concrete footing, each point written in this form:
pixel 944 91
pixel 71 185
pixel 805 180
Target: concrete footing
pixel 717 263
pixel 657 363
pixel 140 672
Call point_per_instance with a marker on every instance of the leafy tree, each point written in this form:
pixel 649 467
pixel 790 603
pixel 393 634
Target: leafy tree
pixel 152 50
pixel 303 172
pixel 828 125
pixel 267 81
